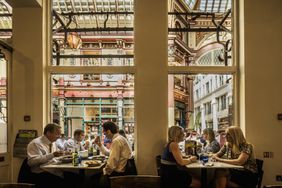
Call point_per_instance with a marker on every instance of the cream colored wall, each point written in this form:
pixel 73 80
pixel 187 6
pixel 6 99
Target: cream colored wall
pixel 150 82
pixel 262 78
pixel 27 78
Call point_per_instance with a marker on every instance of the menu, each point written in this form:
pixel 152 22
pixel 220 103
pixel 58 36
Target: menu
pixel 22 140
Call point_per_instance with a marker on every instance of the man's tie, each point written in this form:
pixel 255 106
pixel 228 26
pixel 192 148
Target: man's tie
pixel 50 148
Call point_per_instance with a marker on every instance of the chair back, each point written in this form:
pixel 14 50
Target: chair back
pixel 130 168
pixel 25 174
pixel 16 185
pixel 140 181
pixel 272 186
pixel 158 163
pixel 260 172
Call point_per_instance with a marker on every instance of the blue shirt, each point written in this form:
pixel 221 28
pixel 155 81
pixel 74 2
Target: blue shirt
pixel 167 155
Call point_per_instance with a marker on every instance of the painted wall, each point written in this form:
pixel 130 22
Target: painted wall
pixel 150 82
pixel 262 77
pixel 27 74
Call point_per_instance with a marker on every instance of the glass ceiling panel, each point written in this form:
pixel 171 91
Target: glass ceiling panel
pixel 5 20
pixel 85 21
pixel 218 6
pixel 190 3
pixel 102 30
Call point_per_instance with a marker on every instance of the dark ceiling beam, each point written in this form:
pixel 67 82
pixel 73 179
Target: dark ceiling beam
pixel 6 46
pixel 125 29
pixel 208 29
pixel 192 13
pixel 93 56
pixel 95 29
pixel 94 13
pixel 6 30
pixel 6 15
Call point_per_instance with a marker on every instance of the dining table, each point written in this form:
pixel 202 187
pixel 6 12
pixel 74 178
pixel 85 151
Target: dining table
pixel 81 167
pixel 210 165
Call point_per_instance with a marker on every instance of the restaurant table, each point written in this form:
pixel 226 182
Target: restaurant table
pixel 209 165
pixel 69 166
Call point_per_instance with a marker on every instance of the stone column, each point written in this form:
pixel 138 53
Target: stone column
pixel 151 78
pixel 30 42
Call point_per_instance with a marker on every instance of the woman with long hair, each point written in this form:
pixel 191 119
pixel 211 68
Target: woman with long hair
pixel 172 162
pixel 212 145
pixel 236 151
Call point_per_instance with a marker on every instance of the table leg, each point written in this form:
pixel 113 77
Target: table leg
pixel 204 178
pixel 81 173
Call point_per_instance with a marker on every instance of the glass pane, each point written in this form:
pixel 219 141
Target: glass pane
pixel 5 20
pixel 200 36
pixel 87 100
pixel 201 101
pixel 93 33
pixel 3 105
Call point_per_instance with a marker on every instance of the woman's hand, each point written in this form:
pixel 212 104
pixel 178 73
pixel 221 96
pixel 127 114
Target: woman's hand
pixel 215 158
pixel 193 159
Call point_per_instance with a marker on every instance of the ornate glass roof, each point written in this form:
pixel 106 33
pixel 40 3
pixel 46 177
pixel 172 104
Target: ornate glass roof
pixel 84 21
pixel 5 21
pixel 190 3
pixel 218 6
pixel 215 5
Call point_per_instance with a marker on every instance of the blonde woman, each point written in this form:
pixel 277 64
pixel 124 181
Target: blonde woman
pixel 212 145
pixel 171 173
pixel 237 152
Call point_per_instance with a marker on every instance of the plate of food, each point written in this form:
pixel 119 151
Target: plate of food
pixel 92 163
pixel 98 157
pixel 66 159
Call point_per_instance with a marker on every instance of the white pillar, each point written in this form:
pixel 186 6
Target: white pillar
pixel 171 118
pixel 214 114
pixel 203 117
pixel 119 108
pixel 61 114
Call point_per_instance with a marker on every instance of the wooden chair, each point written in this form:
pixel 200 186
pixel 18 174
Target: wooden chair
pixel 138 181
pixel 260 172
pixel 16 185
pixel 272 186
pixel 25 174
pixel 130 168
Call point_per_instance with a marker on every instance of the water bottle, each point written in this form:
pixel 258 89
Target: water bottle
pixel 75 158
pixel 90 152
pixel 98 151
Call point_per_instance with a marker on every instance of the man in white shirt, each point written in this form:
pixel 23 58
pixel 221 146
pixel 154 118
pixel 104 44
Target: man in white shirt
pixel 42 150
pixel 74 143
pixel 60 142
pixel 120 150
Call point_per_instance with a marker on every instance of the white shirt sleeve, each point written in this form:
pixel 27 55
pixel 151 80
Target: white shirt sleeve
pixel 35 156
pixel 69 145
pixel 104 150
